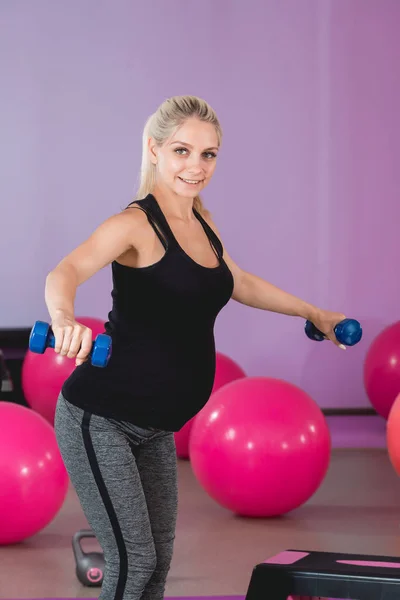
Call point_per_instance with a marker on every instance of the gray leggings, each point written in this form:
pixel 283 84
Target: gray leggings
pixel 126 480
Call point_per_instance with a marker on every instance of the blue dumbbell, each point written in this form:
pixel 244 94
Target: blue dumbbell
pixel 42 337
pixel 348 332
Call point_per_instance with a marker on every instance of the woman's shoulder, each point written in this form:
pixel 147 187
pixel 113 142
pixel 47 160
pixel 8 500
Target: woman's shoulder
pixel 135 211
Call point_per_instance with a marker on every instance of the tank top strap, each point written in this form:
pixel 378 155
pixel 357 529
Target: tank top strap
pixel 158 216
pixel 156 219
pixel 212 236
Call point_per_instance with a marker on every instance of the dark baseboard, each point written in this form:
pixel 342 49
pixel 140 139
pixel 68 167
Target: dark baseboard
pixel 16 338
pixel 349 412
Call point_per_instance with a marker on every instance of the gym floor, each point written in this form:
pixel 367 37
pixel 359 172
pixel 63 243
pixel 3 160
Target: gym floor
pixel 356 509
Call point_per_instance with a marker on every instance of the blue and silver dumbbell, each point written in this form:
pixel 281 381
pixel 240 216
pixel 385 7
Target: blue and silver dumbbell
pixel 42 337
pixel 348 332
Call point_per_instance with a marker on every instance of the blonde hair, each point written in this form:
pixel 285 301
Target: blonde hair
pixel 161 125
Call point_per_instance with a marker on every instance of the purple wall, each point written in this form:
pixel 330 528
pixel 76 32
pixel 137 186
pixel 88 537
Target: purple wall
pixel 305 193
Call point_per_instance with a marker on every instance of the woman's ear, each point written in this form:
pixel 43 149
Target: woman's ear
pixel 152 146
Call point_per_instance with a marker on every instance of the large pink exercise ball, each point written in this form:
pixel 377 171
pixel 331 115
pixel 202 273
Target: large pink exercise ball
pixel 382 369
pixel 44 374
pixel 226 370
pixel 261 447
pixel 33 478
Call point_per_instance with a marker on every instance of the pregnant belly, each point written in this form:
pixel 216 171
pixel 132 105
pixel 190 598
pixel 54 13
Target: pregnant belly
pixel 146 365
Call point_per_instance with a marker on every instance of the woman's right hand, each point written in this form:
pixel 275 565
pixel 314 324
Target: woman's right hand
pixel 72 339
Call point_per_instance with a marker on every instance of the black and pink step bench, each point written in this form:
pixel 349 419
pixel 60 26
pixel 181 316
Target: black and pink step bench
pixel 325 575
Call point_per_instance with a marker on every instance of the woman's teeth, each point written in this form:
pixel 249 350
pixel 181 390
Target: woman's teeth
pixel 191 181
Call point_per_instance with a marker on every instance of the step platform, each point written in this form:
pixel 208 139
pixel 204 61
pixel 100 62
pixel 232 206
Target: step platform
pixel 323 575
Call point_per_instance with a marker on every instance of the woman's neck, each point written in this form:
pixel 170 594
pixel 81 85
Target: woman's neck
pixel 172 205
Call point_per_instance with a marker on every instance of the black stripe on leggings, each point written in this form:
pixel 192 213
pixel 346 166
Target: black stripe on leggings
pixel 94 465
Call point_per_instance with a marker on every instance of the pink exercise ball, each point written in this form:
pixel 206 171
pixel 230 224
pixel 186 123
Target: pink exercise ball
pixel 44 374
pixel 226 370
pixel 261 447
pixel 382 369
pixel 33 478
pixel 393 435
pixel 182 438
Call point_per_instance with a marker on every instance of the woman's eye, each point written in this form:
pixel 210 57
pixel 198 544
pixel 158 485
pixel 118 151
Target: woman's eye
pixel 208 155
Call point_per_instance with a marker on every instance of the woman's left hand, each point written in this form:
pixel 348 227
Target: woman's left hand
pixel 326 321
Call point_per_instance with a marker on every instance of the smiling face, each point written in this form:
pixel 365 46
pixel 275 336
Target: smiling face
pixel 187 160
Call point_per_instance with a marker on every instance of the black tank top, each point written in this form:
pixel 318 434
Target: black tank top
pixel 162 367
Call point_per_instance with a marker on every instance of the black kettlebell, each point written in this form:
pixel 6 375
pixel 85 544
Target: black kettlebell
pixel 89 565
